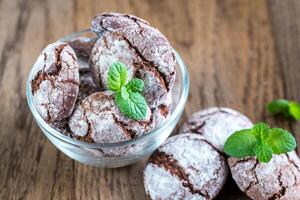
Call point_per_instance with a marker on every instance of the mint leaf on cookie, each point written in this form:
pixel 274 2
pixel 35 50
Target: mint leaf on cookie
pixel 261 130
pixel 135 85
pixel 260 141
pixel 128 97
pixel 281 141
pixel 124 93
pixel 240 144
pixel 263 151
pixel 135 107
pixel 117 76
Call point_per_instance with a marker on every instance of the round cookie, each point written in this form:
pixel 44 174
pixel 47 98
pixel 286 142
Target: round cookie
pixel 186 166
pixel 147 55
pixel 216 124
pixel 55 82
pixel 82 46
pixel 277 179
pixel 97 119
pixel 111 21
pixel 87 85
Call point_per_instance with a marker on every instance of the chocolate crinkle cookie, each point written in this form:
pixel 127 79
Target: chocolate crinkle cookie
pixel 143 49
pixel 55 82
pixel 186 166
pixel 97 119
pixel 82 46
pixel 216 124
pixel 111 21
pixel 277 179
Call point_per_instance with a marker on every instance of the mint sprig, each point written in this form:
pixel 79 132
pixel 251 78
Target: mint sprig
pixel 284 107
pixel 260 141
pixel 128 96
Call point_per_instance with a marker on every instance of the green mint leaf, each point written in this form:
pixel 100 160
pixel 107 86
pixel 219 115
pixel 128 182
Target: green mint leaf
pixel 117 76
pixel 135 107
pixel 263 152
pixel 124 93
pixel 294 109
pixel 240 144
pixel 279 106
pixel 261 131
pixel 136 85
pixel 281 141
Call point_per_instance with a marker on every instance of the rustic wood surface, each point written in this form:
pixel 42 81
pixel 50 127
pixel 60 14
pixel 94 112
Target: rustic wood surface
pixel 240 53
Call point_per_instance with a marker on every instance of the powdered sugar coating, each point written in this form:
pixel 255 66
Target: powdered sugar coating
pixel 54 83
pixel 98 119
pixel 277 179
pixel 146 52
pixel 216 124
pixel 166 185
pixel 187 159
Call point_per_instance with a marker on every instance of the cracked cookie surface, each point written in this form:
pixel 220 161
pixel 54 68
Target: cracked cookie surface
pixel 111 21
pixel 55 82
pixel 185 167
pixel 143 49
pixel 97 119
pixel 216 124
pixel 277 179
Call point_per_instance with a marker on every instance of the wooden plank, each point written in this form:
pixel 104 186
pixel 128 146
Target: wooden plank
pixel 240 54
pixel 284 17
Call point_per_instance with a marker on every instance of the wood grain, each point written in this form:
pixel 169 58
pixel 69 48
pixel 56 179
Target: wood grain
pixel 240 54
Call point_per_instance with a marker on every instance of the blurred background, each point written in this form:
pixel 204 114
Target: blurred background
pixel 240 53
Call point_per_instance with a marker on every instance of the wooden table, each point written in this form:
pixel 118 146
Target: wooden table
pixel 240 53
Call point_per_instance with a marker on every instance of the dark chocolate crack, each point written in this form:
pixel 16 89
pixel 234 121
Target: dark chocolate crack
pixel 55 68
pixel 292 162
pixel 282 190
pixel 72 55
pixel 242 160
pixel 36 82
pixel 163 160
pixel 212 113
pixel 148 65
pixel 295 177
pixel 195 128
pixel 163 110
pixel 128 132
pixel 255 181
pixel 213 146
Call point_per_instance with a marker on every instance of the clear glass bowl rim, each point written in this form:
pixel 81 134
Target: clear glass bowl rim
pixel 177 111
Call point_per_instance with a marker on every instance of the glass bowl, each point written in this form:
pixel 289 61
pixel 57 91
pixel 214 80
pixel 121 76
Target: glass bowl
pixel 121 153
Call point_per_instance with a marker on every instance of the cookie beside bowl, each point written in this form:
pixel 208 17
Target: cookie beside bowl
pixel 121 153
